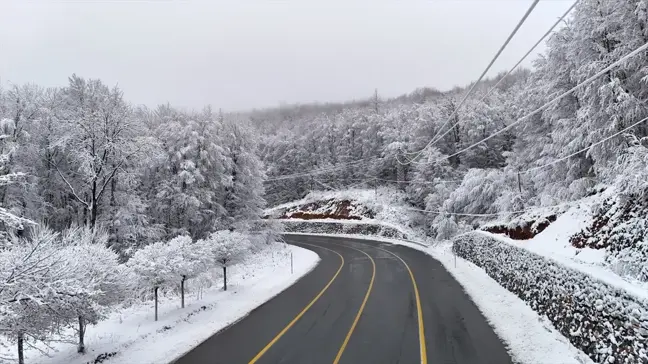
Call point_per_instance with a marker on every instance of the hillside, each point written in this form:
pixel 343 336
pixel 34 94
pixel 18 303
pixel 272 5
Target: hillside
pixel 383 207
pixel 597 235
pixel 573 235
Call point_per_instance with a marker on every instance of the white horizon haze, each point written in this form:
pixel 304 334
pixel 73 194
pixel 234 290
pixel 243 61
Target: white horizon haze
pixel 255 54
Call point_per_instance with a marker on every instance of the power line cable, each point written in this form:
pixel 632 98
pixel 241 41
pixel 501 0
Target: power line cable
pixel 545 106
pixel 436 139
pixel 539 208
pixel 515 30
pixel 318 171
pixel 474 86
pixel 584 149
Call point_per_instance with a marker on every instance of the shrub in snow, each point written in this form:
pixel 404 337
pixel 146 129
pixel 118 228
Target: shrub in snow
pixel 603 321
pixel 446 226
pixel 620 226
pixel 264 232
pixel 226 248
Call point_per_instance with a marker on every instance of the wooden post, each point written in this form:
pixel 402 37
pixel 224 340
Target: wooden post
pixel 21 355
pixel 182 291
pixel 156 303
pixel 375 187
pixel 81 347
pixel 224 278
pixel 519 183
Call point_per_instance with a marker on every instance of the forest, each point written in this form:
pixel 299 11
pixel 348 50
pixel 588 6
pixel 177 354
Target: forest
pixel 540 137
pixel 92 187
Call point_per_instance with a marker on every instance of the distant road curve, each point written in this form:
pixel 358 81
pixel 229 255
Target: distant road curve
pixel 366 302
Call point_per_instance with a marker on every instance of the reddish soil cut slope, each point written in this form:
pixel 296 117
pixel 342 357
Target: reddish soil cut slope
pixel 525 231
pixel 328 209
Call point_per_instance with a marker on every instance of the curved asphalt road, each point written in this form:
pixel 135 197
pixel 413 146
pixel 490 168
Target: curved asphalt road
pixel 360 305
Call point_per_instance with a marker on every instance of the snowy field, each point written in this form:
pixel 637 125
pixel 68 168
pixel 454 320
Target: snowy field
pixel 136 338
pixel 530 338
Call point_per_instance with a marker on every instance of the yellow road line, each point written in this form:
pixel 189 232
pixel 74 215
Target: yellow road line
pixel 419 311
pixel 364 302
pixel 285 329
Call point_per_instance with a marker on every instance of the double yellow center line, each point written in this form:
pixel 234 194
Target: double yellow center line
pixel 285 329
pixel 364 302
pixel 421 330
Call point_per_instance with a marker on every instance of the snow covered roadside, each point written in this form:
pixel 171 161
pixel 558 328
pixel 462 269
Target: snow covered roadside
pixel 136 338
pixel 530 338
pixel 554 243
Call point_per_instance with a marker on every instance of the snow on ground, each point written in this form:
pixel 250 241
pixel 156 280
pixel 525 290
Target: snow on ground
pixel 554 243
pixel 530 338
pixel 137 338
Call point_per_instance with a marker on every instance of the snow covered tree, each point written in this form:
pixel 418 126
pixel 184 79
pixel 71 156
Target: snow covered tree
pixel 431 167
pixel 151 269
pixel 189 259
pixel 226 248
pixel 99 273
pixel 243 195
pixel 99 138
pixel 446 226
pixel 188 183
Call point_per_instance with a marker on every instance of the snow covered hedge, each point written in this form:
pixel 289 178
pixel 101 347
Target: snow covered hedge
pixel 297 226
pixel 604 322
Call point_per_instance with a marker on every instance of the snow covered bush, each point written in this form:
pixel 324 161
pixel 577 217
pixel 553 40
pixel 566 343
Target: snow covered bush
pixel 264 232
pixel 603 321
pixel 629 173
pixel 446 226
pixel 484 191
pixel 620 227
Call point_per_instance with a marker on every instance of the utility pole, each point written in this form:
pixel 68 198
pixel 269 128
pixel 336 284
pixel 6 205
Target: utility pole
pixel 376 187
pixel 375 101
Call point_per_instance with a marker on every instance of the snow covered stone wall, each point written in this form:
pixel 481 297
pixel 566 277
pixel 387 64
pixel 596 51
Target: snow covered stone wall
pixel 604 322
pixel 325 227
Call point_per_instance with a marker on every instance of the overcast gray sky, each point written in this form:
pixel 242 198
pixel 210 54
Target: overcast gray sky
pixel 242 54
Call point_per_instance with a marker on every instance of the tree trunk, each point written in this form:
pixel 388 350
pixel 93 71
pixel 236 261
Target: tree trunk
pixel 82 326
pixel 93 216
pixel 156 303
pixel 224 278
pixel 182 291
pixel 21 356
